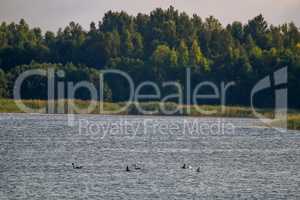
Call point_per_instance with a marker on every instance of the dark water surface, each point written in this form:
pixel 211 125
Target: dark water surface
pixel 237 159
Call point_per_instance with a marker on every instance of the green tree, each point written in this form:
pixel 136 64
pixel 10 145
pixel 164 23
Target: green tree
pixel 112 44
pixel 173 58
pixel 258 28
pixel 156 46
pixel 237 31
pixel 128 46
pixel 138 44
pixel 212 24
pixel 183 54
pixel 3 84
pixel 161 56
pixel 197 59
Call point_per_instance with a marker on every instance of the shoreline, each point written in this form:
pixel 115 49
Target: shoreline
pixel 8 106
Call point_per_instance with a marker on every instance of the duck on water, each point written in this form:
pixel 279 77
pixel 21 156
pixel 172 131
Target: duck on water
pixel 76 167
pixel 134 166
pixel 185 166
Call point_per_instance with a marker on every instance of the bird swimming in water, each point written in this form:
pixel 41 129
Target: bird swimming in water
pixel 136 167
pixel 76 167
pixel 127 169
pixel 185 166
pixel 198 169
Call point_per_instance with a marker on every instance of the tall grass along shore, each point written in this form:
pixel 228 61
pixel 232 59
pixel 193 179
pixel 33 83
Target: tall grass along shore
pixel 151 108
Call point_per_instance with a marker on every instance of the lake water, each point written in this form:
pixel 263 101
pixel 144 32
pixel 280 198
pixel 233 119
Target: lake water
pixel 238 159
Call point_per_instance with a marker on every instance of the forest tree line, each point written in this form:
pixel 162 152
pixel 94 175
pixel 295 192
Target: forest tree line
pixel 157 47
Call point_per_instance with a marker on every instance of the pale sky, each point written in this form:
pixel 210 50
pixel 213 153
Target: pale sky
pixel 52 14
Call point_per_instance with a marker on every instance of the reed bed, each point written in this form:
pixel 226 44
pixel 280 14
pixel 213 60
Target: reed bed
pixel 151 108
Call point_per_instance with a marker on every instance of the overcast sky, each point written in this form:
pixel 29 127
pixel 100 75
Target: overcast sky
pixel 52 14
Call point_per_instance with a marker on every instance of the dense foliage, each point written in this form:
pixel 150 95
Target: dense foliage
pixel 158 47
